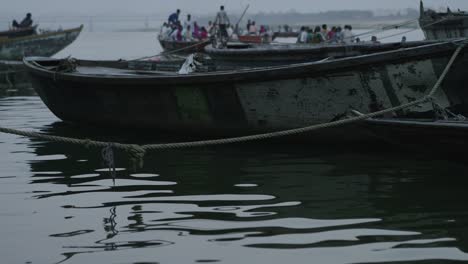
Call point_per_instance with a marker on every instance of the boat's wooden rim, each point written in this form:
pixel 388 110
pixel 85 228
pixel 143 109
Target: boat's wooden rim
pixel 293 71
pixel 260 50
pixel 39 36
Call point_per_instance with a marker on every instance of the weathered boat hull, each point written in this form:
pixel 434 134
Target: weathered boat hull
pixel 22 32
pixel 269 55
pixel 46 44
pixel 258 100
pixel 448 25
pixel 183 47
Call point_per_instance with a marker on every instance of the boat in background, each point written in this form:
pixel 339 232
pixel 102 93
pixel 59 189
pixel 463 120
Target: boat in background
pixel 443 25
pixel 183 47
pixel 45 44
pixel 249 101
pixel 254 39
pixel 289 34
pixel 283 54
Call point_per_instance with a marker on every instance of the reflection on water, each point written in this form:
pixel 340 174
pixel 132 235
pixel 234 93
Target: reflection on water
pixel 255 203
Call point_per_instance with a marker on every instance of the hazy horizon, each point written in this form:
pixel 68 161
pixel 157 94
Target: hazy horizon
pixel 160 7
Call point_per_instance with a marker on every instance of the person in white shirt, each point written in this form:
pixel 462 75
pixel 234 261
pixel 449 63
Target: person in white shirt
pixel 348 36
pixel 303 35
pixel 188 22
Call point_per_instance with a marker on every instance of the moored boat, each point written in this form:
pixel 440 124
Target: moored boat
pixel 289 34
pixel 443 25
pixel 281 54
pixel 248 101
pixel 254 39
pixel 45 44
pixel 183 47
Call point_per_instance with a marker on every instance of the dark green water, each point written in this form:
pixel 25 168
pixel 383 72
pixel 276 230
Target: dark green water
pixel 256 203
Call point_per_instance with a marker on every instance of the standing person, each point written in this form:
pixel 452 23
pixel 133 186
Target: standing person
pixel 331 36
pixel 25 23
pixel 188 22
pixel 253 29
pixel 209 28
pixel 324 31
pixel 303 35
pixel 339 35
pixel 174 17
pixel 187 33
pixel 248 25
pixel 222 20
pixel 196 30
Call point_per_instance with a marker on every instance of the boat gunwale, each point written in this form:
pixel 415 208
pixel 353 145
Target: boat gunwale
pixel 271 73
pixel 292 49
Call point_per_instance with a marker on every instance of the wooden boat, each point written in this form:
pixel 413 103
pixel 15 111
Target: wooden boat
pixel 281 54
pixel 289 34
pixel 248 101
pixel 20 32
pixel 183 47
pixel 254 39
pixel 443 25
pixel 45 44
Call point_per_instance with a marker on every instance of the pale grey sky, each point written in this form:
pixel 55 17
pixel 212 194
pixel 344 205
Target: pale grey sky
pixel 94 7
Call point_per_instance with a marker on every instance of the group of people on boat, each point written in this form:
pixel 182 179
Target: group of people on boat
pixel 253 30
pixel 190 30
pixel 187 30
pixel 324 35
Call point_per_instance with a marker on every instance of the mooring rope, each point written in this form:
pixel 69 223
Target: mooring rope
pixel 137 152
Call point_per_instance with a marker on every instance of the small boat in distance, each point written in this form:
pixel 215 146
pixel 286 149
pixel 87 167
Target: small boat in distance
pixel 248 101
pixel 45 44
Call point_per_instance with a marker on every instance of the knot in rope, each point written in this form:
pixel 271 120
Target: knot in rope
pixel 137 155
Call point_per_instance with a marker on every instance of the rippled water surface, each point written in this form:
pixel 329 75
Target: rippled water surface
pixel 255 203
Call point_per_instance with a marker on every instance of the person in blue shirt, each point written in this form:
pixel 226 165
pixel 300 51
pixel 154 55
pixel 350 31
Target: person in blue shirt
pixel 174 17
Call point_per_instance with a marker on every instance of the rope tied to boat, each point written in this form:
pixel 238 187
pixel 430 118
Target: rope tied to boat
pixel 108 157
pixel 137 155
pixel 138 152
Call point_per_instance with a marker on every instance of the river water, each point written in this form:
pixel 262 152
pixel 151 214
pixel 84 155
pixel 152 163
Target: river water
pixel 252 203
